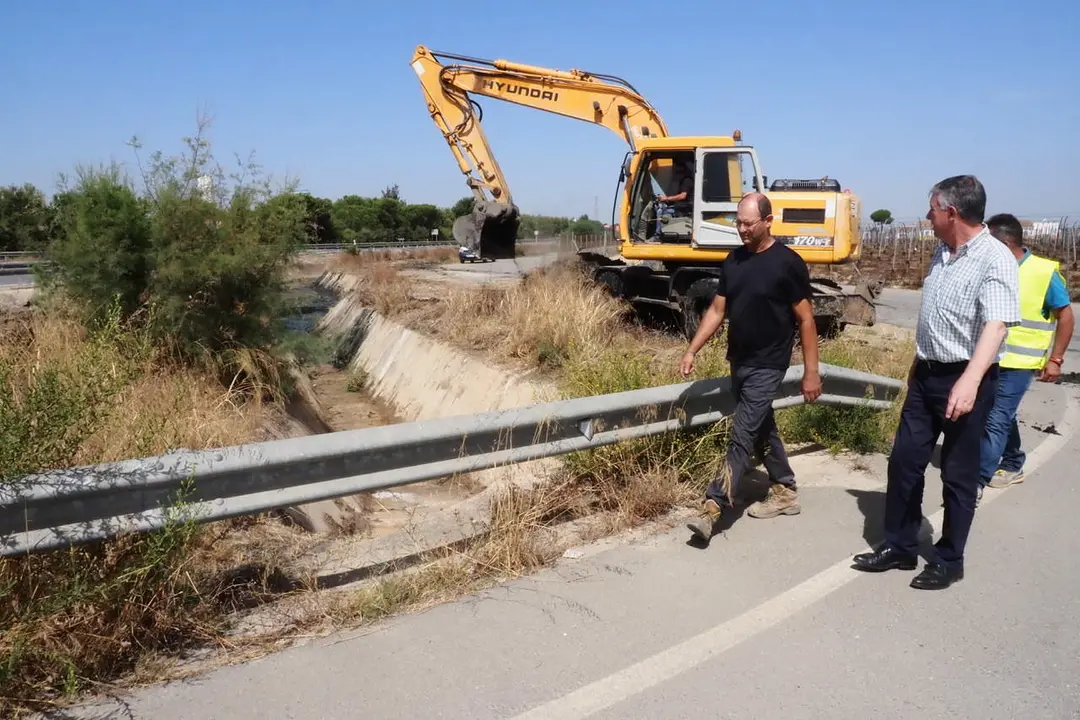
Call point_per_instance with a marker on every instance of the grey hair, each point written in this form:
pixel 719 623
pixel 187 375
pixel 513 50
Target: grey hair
pixel 963 192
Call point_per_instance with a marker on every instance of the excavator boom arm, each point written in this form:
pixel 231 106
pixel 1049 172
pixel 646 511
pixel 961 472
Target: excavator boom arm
pixel 448 87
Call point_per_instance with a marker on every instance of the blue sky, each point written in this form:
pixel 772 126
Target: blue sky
pixel 886 97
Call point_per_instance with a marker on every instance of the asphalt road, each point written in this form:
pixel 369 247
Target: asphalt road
pixel 769 621
pixel 16 280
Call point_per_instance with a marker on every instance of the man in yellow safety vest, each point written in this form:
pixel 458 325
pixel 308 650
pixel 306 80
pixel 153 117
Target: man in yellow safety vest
pixel 1035 348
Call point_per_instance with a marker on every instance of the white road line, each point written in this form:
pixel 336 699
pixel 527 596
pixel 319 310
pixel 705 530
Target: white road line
pixel 685 656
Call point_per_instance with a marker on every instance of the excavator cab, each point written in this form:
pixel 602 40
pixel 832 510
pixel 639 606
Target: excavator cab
pixel 715 178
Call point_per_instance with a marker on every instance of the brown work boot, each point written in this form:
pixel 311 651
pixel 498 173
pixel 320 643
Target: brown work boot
pixel 781 500
pixel 1005 478
pixel 705 525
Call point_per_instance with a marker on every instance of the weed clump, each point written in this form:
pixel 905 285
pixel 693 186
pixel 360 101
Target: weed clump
pixel 72 396
pixel 859 429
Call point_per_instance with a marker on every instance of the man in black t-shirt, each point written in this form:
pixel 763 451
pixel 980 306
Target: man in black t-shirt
pixel 764 289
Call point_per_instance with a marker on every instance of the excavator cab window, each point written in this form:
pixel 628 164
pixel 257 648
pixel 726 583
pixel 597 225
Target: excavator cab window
pixel 716 179
pixel 726 175
pixel 662 207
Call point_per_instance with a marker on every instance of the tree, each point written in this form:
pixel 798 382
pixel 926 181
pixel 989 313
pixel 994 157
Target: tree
pixel 198 258
pixel 317 219
pixel 545 225
pixel 461 207
pixel 584 226
pixel 421 220
pixel 385 219
pixel 392 192
pixel 103 250
pixel 354 217
pixel 25 218
pixel 882 217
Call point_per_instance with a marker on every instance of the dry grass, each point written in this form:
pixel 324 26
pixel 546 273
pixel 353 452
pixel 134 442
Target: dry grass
pixel 148 407
pixel 382 286
pixel 544 320
pixel 351 262
pixel 90 614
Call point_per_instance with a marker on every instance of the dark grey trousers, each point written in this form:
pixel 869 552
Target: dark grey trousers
pixel 752 428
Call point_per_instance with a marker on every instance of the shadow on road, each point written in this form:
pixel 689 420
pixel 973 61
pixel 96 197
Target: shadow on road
pixel 871 504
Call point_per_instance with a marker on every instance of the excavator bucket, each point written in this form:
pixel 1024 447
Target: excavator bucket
pixel 490 230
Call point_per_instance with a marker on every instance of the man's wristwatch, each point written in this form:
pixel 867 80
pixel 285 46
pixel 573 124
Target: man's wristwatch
pixel 1057 361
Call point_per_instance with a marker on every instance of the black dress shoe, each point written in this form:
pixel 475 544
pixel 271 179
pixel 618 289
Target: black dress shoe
pixel 936 576
pixel 885 559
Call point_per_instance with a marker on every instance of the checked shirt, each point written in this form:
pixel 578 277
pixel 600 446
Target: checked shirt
pixel 961 293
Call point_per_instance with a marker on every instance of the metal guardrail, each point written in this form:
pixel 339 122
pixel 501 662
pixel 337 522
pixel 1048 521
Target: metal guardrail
pixel 407 245
pixel 65 507
pixel 361 246
pixel 17 267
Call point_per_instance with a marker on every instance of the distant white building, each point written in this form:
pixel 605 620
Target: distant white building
pixel 1043 228
pixel 205 185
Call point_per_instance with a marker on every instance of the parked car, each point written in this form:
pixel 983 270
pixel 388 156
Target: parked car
pixel 467 255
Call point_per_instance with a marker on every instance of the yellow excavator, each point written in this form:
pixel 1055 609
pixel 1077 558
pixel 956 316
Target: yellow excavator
pixel 676 209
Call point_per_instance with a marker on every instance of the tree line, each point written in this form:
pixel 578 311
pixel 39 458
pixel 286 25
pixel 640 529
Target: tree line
pixel 31 222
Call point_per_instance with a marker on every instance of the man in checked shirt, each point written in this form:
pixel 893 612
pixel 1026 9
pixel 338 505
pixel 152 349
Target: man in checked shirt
pixel 970 298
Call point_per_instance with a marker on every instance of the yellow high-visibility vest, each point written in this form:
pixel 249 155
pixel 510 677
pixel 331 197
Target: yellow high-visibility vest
pixel 1027 346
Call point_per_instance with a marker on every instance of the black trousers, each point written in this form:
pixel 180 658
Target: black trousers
pixel 753 433
pixel 922 421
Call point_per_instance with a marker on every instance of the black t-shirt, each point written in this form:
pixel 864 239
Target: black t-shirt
pixel 760 289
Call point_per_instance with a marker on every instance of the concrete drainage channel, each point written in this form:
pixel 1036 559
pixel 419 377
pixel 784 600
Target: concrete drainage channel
pixel 419 378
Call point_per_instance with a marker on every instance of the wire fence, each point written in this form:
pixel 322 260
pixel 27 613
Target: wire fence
pixel 907 243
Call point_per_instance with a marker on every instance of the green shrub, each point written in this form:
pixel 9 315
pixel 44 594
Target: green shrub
pixel 358 379
pixel 857 429
pixel 102 251
pixel 197 257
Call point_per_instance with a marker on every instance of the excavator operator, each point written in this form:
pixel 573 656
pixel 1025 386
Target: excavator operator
pixel 683 176
pixel 681 203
